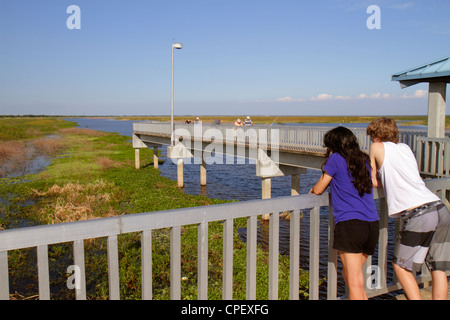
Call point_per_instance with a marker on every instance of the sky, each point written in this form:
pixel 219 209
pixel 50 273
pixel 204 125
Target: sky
pixel 239 57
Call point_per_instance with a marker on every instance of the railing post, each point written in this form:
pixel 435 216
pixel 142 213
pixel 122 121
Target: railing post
pixel 332 256
pixel 146 253
pixel 382 244
pixel 4 277
pixel 113 268
pixel 251 258
pixel 314 246
pixel 78 253
pixel 175 263
pixel 274 236
pixel 43 273
pixel 227 291
pixel 294 254
pixel 202 261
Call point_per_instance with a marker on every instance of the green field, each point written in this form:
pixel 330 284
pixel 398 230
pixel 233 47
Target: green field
pixel 92 175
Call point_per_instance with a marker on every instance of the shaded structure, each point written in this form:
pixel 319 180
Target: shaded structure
pixel 437 74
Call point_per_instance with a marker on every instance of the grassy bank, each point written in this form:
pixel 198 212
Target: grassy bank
pixel 408 120
pixel 91 176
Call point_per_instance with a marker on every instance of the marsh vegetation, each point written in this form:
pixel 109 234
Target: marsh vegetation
pixel 91 175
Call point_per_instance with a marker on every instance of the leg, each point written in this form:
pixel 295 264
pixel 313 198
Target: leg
pixel 440 285
pixel 408 282
pixel 440 241
pixel 411 247
pixel 353 275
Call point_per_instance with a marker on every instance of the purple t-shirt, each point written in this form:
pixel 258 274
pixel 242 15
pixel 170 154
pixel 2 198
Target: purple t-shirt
pixel 347 204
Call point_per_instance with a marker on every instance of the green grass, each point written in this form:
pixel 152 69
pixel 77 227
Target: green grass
pixel 94 176
pixel 26 128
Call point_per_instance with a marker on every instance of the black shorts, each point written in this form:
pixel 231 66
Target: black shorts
pixel 356 236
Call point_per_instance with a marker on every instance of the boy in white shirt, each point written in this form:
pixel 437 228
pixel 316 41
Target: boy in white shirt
pixel 424 221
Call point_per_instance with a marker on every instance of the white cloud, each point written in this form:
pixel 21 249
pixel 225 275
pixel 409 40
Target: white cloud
pixel 418 94
pixel 342 98
pixel 362 96
pixel 288 99
pixel 402 6
pixel 322 96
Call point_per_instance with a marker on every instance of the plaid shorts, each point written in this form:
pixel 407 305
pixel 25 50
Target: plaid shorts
pixel 424 236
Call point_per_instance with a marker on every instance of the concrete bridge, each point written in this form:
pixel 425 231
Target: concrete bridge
pixel 278 150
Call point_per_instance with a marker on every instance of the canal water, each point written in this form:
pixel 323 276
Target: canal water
pixel 239 182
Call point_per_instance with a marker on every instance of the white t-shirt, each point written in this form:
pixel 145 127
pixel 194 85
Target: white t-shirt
pixel 402 183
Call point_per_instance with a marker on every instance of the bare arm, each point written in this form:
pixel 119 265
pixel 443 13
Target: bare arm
pixel 321 184
pixel 376 154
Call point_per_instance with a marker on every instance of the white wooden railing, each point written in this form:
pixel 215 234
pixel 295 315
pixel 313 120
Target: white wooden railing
pixel 144 223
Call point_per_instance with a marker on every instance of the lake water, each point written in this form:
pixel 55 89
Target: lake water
pixel 239 181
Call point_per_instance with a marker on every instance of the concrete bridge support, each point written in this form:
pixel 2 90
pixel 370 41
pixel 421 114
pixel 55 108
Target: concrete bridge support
pixel 137 159
pixel 139 144
pixel 155 157
pixel 203 173
pixel 180 174
pixel 281 170
pixel 436 109
pixel 179 152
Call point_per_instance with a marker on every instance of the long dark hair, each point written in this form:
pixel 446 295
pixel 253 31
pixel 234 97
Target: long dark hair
pixel 342 140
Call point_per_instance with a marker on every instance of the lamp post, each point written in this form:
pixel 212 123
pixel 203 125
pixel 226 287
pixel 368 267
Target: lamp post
pixel 176 45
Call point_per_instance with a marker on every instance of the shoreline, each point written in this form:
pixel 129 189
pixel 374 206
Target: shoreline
pixel 260 119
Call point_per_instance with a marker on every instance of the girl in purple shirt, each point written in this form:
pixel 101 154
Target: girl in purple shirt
pixel 347 171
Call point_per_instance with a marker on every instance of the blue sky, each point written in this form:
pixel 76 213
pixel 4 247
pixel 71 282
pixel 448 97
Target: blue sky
pixel 245 57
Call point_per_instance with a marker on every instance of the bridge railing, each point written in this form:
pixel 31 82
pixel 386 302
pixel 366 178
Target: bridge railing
pixel 286 137
pixel 144 223
pixel 433 156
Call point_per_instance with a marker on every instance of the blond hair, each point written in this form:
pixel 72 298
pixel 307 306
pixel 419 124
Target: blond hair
pixel 383 128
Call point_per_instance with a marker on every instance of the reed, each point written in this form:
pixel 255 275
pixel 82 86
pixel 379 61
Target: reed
pixel 75 201
pixel 47 145
pixel 11 151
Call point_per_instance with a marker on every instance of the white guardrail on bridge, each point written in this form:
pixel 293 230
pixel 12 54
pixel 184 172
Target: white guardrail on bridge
pixel 144 223
pixel 285 137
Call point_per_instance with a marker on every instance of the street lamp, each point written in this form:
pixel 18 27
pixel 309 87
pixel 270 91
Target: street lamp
pixel 176 45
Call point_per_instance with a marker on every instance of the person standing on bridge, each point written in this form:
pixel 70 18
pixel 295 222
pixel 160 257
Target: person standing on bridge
pixel 347 171
pixel 424 220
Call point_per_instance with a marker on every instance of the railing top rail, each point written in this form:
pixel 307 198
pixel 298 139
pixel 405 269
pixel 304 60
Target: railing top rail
pixel 279 126
pixel 446 139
